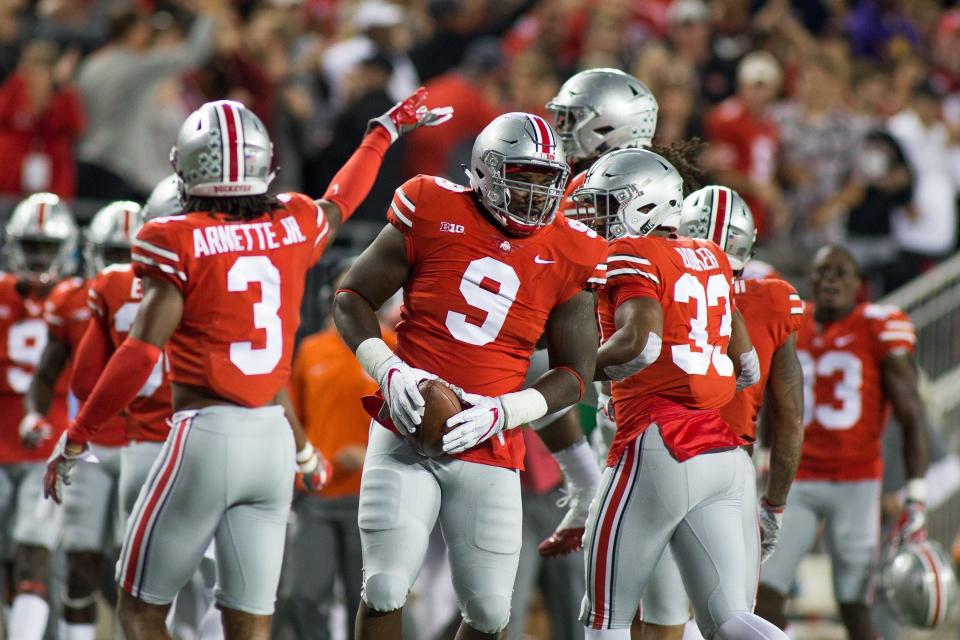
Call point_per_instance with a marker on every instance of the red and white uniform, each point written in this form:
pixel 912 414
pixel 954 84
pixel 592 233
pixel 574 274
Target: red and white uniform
pixel 114 298
pixel 23 336
pixel 67 314
pixel 224 269
pixel 773 311
pixel 676 475
pixel 480 297
pixel 693 377
pixel 242 284
pixel 845 408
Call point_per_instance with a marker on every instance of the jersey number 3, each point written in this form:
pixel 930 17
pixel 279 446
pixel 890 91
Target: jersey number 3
pixel 246 270
pixel 695 359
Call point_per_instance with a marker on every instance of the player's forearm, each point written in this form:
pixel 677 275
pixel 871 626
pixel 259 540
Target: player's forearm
pixel 125 374
pixel 900 384
pixel 40 394
pixel 91 358
pixel 785 448
pixel 562 386
pixel 299 436
pixel 351 185
pixel 355 318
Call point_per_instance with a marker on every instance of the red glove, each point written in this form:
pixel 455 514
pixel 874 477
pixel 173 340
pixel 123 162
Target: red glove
pixel 410 114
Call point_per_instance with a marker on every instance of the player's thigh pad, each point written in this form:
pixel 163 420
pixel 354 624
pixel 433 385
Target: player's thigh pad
pixel 709 543
pixel 853 536
pixel 89 502
pixel 37 522
pixel 481 516
pixel 639 503
pixel 797 535
pixel 665 599
pixel 399 503
pixel 136 460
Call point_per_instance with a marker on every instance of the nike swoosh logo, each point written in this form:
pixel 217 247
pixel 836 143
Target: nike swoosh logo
pixel 843 341
pixel 540 260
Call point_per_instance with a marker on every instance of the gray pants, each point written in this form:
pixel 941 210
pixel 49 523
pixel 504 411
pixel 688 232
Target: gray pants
pixel 850 512
pixel 225 473
pixel 90 514
pixel 323 542
pixel 560 580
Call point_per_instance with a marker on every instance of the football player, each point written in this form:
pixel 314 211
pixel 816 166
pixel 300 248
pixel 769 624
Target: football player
pixel 485 272
pixel 89 502
pixel 40 250
pixel 222 287
pixel 597 111
pixel 773 313
pixel 676 473
pixel 857 363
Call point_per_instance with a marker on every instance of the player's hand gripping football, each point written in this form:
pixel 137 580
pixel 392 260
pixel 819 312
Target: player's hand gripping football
pixel 398 383
pixel 484 418
pixel 771 519
pixel 34 430
pixel 313 470
pixel 410 114
pixel 60 466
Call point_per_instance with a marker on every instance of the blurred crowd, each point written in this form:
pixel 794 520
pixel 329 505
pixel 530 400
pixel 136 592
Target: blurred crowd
pixel 837 120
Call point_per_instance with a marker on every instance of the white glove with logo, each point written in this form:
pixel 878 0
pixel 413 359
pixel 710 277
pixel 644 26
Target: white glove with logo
pixel 398 382
pixel 487 416
pixel 771 519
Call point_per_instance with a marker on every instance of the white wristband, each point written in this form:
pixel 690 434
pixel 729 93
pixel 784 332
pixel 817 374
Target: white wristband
pixel 371 353
pixel 917 489
pixel 522 407
pixel 304 454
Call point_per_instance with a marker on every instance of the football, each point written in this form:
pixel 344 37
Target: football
pixel 441 404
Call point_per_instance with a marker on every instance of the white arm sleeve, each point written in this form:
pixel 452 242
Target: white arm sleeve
pixel 649 355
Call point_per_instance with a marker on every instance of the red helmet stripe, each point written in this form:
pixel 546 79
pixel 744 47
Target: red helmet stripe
pixel 41 215
pixel 231 141
pixel 935 618
pixel 126 222
pixel 720 203
pixel 542 137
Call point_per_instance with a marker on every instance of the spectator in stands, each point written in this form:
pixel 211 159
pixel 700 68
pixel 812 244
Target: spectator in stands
pixel 382 29
pixel 323 544
pixel 879 186
pixel 117 85
pixel 473 92
pixel 880 29
pixel 818 143
pixel 691 40
pixel 40 117
pixel 926 232
pixel 745 144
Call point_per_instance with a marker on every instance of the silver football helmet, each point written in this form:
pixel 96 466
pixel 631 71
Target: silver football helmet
pixel 629 192
pixel 513 144
pixel 165 199
pixel 110 233
pixel 599 110
pixel 919 584
pixel 223 150
pixel 41 239
pixel 719 214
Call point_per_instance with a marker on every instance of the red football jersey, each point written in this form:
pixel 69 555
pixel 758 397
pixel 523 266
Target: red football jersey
pixel 772 311
pixel 693 377
pixel 844 406
pixel 478 300
pixel 23 336
pixel 115 296
pixel 242 284
pixel 66 314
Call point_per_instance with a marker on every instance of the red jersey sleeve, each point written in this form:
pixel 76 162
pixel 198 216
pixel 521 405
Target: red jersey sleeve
pixel 892 329
pixel 402 213
pixel 64 309
pixel 632 271
pixel 784 308
pixel 156 252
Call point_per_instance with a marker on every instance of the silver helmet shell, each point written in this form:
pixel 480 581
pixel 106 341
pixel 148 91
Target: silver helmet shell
pixel 223 150
pixel 919 584
pixel 41 239
pixel 599 110
pixel 629 192
pixel 111 231
pixel 166 199
pixel 719 214
pixel 513 143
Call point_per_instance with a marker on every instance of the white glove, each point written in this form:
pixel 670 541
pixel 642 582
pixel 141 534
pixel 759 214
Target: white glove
pixel 487 417
pixel 602 437
pixel 60 466
pixel 34 429
pixel 771 519
pixel 398 382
